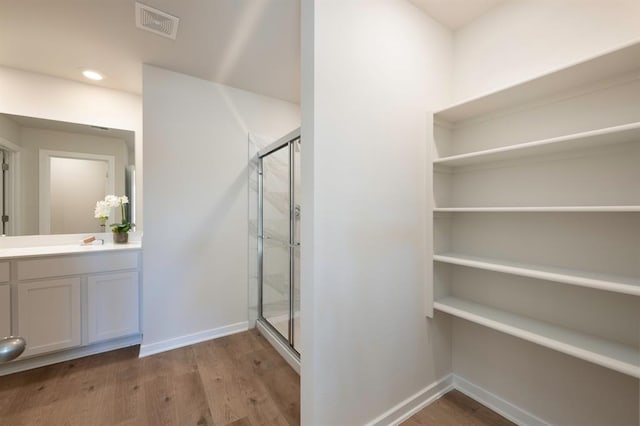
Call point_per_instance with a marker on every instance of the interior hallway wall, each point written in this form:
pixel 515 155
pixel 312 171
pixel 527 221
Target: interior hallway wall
pixel 196 197
pixel 371 71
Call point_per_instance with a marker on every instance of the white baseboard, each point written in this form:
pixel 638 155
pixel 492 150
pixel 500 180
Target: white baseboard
pixel 190 339
pixel 67 355
pixel 414 403
pixel 497 404
pixel 426 396
pixel 284 351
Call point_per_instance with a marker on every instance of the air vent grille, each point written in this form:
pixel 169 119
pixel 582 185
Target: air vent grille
pixel 156 21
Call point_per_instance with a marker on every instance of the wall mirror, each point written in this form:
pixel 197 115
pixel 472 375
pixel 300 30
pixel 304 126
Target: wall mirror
pixel 53 173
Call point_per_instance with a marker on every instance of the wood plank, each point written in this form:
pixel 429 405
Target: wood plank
pixel 32 396
pixel 455 408
pixel 76 389
pixel 174 393
pixel 129 393
pixel 260 406
pixel 222 392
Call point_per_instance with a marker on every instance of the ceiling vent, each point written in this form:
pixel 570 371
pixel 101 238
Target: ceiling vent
pixel 156 21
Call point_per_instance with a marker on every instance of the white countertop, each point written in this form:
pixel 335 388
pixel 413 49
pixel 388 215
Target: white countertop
pixel 13 252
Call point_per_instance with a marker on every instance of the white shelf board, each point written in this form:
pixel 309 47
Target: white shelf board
pixel 607 136
pixel 613 283
pixel 542 209
pixel 618 357
pixel 601 67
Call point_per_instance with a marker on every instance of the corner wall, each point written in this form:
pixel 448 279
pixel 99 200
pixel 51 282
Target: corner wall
pixel 371 71
pixel 196 190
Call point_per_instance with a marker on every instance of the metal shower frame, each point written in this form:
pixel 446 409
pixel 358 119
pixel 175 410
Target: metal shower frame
pixel 286 141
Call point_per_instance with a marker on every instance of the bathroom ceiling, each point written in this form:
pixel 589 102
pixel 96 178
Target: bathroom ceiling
pixel 455 13
pixel 249 44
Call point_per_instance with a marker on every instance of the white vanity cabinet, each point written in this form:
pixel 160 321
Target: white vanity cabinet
pixel 112 306
pixel 5 300
pixel 5 310
pixel 69 302
pixel 49 315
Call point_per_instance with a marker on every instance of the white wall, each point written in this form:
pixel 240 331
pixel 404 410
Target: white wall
pixel 371 71
pixel 41 96
pixel 516 41
pixel 521 39
pixel 196 191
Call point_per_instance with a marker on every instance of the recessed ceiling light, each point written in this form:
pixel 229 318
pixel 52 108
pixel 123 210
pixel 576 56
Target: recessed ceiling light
pixel 92 75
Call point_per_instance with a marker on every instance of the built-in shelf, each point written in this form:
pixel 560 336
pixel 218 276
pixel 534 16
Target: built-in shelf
pixel 618 357
pixel 542 209
pixel 583 140
pixel 568 158
pixel 613 283
pixel 609 65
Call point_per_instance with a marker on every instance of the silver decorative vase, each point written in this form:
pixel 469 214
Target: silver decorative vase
pixel 11 348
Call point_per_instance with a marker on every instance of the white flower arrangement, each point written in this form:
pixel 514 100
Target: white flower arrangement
pixel 103 211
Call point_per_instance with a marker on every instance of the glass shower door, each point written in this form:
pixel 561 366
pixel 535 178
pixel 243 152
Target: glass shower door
pixel 276 271
pixel 279 240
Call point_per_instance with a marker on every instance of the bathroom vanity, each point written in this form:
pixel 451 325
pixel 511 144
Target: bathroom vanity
pixel 69 300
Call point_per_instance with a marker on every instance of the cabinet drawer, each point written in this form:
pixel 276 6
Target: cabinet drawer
pixel 4 272
pixel 74 265
pixel 5 311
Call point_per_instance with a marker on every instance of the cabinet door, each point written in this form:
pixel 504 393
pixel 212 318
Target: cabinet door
pixel 49 315
pixel 5 311
pixel 112 306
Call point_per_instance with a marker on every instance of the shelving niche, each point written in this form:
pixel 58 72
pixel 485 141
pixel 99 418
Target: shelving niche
pixel 536 210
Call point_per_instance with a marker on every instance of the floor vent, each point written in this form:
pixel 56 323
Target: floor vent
pixel 156 21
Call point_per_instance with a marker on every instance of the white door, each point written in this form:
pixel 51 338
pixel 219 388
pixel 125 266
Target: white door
pixel 112 306
pixel 49 315
pixel 72 204
pixel 69 185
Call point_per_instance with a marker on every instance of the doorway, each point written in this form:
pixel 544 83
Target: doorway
pixel 71 212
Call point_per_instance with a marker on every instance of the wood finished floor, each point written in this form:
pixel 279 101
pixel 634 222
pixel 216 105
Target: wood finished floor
pixel 237 380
